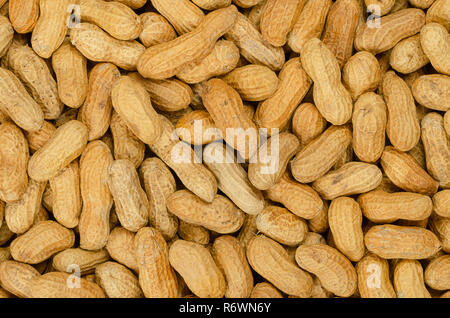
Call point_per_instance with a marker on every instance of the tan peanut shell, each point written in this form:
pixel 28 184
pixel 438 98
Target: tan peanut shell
pixel 392 28
pixel 278 19
pixel 439 12
pixel 307 123
pixel 61 285
pixel 406 173
pixel 403 127
pixel 432 91
pixel 65 145
pixel 379 7
pixel 230 257
pixel 269 164
pixel 436 45
pixel 361 74
pixel 130 199
pixel 20 215
pixel 373 278
pixel 408 280
pixel 41 242
pixel 13 163
pixel 51 27
pixel 383 207
pixel 232 179
pixel 276 111
pixel 17 104
pixel 23 14
pixel 281 225
pixel 85 260
pixel 33 71
pixel 252 45
pixel 308 165
pixel 254 15
pixel 352 178
pixel 441 203
pixel 223 59
pixel 298 198
pixel 309 24
pixel 159 184
pixel 345 219
pixel 437 273
pixel 96 110
pixel 183 15
pixel 195 176
pixel 71 73
pixel 86 38
pixel 269 259
pixel 132 102
pixel 15 277
pixel 242 133
pixel 247 230
pixel 120 247
pixel 117 19
pixel 332 99
pixel 246 3
pixel 197 128
pixel 405 242
pixel 117 281
pixel 36 139
pixel 7 34
pixel 369 126
pixel 441 227
pixel 66 195
pixel 168 95
pixel 253 82
pixel 125 144
pixel 156 277
pixel 155 29
pixel 97 200
pixel 407 56
pixel 265 290
pixel 221 215
pixel 193 233
pixel 206 279
pixel 340 28
pixel 335 272
pixel 202 39
pixel 437 151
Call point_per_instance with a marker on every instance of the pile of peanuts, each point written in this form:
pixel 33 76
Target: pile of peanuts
pixel 113 113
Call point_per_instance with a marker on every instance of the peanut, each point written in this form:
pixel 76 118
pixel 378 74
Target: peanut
pixel 435 44
pixel 373 278
pixel 331 98
pixel 361 74
pixel 392 29
pixel 345 219
pixel 7 34
pixel 193 233
pixel 13 163
pixel 307 123
pixel 384 6
pixel 206 280
pixel 269 259
pixel 37 139
pixel 212 4
pixel 383 207
pixel 405 242
pixel 252 45
pixel 159 185
pixel 294 83
pixel 65 145
pixel 408 280
pixel 265 290
pixel 437 273
pixel 85 260
pixel 97 200
pixel 41 242
pixel 71 73
pixel 130 200
pixel 195 124
pixel 221 215
pixel 232 179
pixel 156 277
pixel 117 281
pixel 15 277
pixel 121 248
pixel 155 29
pixel 230 257
pixel 202 39
pixel 309 24
pixel 98 46
pixel 438 12
pixel 441 203
pixel 334 270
